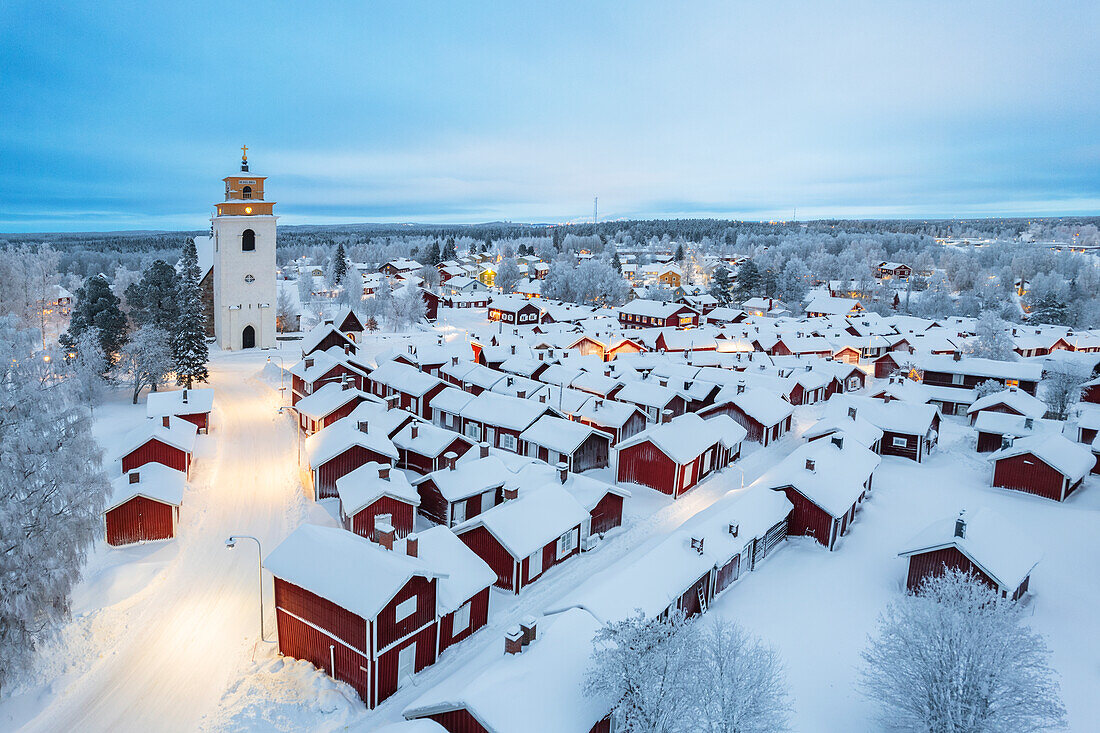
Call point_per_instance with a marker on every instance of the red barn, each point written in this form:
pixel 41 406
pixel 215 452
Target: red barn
pixel 169 441
pixel 144 505
pixel 526 535
pixel 984 545
pixel 192 405
pixel 375 490
pixel 364 614
pixel 343 447
pixel 673 457
pixel 825 481
pixel 1047 465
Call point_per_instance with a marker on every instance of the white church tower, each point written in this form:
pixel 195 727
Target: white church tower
pixel 244 263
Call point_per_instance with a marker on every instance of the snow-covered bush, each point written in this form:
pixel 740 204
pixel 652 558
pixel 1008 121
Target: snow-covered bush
pixel 957 658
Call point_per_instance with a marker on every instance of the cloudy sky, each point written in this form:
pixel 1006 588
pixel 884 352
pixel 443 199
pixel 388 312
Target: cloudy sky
pixel 126 116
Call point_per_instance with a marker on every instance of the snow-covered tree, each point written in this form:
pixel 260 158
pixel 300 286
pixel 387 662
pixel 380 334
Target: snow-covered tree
pixel 449 252
pixel 52 495
pixel 408 306
pixel 721 286
pixel 559 283
pixel 507 275
pixel 145 359
pixel 430 275
pixel 305 287
pixel 189 349
pixel 748 281
pixel 97 307
pixel 993 340
pixel 339 265
pixel 154 299
pixel 988 387
pixel 286 310
pixel 617 263
pixel 793 281
pixel 1061 388
pixel 739 681
pixel 645 667
pixel 431 256
pixel 958 658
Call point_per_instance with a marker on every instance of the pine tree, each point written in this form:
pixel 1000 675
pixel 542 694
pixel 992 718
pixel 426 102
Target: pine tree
pixel 97 307
pixel 153 299
pixel 432 255
pixel 748 280
pixel 449 252
pixel 617 263
pixel 680 256
pixel 339 265
pixel 721 285
pixel 189 348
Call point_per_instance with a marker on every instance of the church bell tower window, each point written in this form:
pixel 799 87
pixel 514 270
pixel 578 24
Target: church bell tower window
pixel 248 241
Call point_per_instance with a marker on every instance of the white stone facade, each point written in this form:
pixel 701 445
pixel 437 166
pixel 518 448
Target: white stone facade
pixel 244 282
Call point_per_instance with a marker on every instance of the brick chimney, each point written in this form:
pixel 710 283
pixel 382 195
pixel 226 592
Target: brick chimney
pixel 415 430
pixel 412 545
pixel 165 421
pixel 484 449
pixel 510 493
pixel 363 425
pixel 851 413
pixel 346 384
pixel 513 641
pixel 135 477
pixel 522 394
pixel 384 472
pixel 183 398
pixel 838 441
pixel 384 531
pixel 309 362
pixel 740 388
pixel 563 471
pixel 449 458
pixel 960 525
pixel 811 466
pixel 666 415
pixel 528 627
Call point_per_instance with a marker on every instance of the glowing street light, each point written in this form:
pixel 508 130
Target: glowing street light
pixel 230 544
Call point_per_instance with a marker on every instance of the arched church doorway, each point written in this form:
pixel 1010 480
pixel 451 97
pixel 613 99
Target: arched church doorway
pixel 248 338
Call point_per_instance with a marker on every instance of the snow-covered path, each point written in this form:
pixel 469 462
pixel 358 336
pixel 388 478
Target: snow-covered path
pixel 190 630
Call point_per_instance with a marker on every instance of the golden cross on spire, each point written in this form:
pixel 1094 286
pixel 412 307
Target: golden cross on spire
pixel 244 152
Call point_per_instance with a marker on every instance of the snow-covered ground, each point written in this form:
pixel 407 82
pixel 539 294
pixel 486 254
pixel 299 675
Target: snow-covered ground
pixel 165 636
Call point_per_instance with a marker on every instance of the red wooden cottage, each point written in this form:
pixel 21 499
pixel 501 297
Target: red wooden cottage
pixel 328 404
pixel 765 417
pixel 192 405
pixel 144 505
pixel 462 490
pixel 412 389
pixel 984 545
pixel 1012 401
pixel 526 535
pixel 364 614
pixel 620 420
pixel 1047 465
pixel 513 309
pixel 376 490
pixel 169 441
pixel 641 313
pixel 653 399
pixel 673 457
pixel 346 445
pixel 323 337
pixel 321 368
pixel 421 446
pixel 462 597
pixel 825 481
pixel 555 440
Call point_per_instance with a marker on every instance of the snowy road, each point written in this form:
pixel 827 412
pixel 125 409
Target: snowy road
pixel 189 631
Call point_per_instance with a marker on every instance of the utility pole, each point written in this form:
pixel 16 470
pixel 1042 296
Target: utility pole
pixel 595 209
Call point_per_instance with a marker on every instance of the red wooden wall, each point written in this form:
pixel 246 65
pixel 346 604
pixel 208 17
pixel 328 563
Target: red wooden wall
pixel 389 629
pixel 479 616
pixel 138 520
pixel 362 523
pixel 386 667
pixel 302 641
pixel 488 549
pixel 645 464
pixel 607 514
pixel 1028 474
pixel 201 420
pixel 934 563
pixel 808 519
pixel 343 464
pixel 323 613
pixel 154 451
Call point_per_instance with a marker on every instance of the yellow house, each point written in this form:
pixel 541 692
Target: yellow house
pixel 487 275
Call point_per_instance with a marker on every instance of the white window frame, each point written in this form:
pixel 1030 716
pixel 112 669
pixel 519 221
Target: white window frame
pixel 899 442
pixel 508 441
pixel 460 621
pixel 405 609
pixel 566 543
pixel 534 557
pixel 458 512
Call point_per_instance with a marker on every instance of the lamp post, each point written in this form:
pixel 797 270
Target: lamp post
pixel 230 544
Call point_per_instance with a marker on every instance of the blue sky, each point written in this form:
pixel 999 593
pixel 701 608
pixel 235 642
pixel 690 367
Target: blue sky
pixel 119 115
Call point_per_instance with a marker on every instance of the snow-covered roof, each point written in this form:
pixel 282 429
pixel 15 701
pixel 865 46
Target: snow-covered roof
pixel 558 434
pixel 313 338
pixel 686 437
pixel 179 434
pixel 978 367
pixel 836 480
pixel 759 404
pixel 540 690
pixel 1072 460
pixel 1003 551
pixel 466 573
pixel 334 439
pixel 647 394
pixel 831 306
pixel 363 486
pixel 340 566
pixel 1003 423
pixel 329 398
pixel 204 248
pixel 503 411
pixel 1016 399
pixel 896 416
pixel 527 523
pixel 451 400
pixel 404 378
pixel 179 402
pixel 154 481
pixel 468 477
pixel 431 440
pixel 838 420
pixel 653 308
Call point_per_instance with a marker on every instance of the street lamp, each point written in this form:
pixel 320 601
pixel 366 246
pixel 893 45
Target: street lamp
pixel 230 544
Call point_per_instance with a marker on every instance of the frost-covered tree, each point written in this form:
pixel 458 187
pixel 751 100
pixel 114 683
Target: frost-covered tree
pixel 559 283
pixel 189 349
pixel 958 658
pixel 748 281
pixel 739 681
pixel 507 275
pixel 793 281
pixel 408 307
pixel 305 287
pixel 339 265
pixel 644 665
pixel 449 252
pixel 145 359
pixel 52 495
pixel 617 263
pixel 1061 388
pixel 286 310
pixel 86 366
pixel 992 340
pixel 430 275
pixel 721 286
pixel 154 299
pixel 988 387
pixel 97 307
